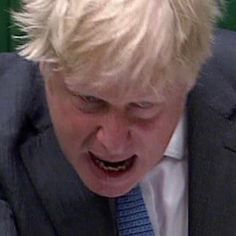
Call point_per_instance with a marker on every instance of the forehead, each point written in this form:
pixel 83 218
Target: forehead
pixel 115 89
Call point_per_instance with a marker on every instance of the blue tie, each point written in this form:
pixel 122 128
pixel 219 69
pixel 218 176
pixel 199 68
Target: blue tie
pixel 132 217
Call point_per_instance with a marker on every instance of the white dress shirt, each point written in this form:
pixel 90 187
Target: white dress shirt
pixel 164 188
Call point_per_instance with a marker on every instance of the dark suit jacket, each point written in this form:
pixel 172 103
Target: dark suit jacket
pixel 40 193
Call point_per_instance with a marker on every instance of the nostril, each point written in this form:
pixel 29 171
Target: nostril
pixel 114 140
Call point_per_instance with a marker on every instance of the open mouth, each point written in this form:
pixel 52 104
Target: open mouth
pixel 113 167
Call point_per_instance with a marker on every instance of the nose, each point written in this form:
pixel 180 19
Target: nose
pixel 114 134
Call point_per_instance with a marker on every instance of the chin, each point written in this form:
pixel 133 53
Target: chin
pixel 108 190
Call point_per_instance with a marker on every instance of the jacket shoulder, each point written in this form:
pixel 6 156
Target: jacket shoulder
pixel 221 65
pixel 216 86
pixel 15 68
pixel 19 83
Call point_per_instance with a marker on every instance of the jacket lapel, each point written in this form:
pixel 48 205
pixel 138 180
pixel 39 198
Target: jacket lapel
pixel 212 156
pixel 72 209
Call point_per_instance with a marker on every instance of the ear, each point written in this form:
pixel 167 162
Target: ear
pixel 46 73
pixel 43 67
pixel 191 85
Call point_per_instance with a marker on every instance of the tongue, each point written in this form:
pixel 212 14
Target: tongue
pixel 114 164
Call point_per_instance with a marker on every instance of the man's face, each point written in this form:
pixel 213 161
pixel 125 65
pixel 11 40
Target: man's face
pixel 111 138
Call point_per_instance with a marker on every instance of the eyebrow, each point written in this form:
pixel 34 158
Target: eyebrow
pixel 81 89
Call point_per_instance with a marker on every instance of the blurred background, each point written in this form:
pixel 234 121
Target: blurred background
pixel 7 28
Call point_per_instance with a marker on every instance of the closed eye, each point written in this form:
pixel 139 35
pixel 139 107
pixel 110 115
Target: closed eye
pixel 90 99
pixel 88 104
pixel 142 105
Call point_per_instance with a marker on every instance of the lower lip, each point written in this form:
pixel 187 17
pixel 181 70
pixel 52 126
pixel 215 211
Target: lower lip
pixel 111 173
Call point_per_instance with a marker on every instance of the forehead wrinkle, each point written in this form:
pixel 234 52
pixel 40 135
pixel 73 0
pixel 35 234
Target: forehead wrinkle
pixel 114 93
pixel 121 86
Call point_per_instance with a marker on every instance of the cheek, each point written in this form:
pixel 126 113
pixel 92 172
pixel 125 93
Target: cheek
pixel 156 135
pixel 71 126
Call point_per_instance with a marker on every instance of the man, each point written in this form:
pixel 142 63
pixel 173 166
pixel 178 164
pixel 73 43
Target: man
pixel 112 117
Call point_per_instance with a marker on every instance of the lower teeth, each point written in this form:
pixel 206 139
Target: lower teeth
pixel 110 168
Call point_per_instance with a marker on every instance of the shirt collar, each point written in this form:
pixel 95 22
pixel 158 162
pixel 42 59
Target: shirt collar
pixel 177 144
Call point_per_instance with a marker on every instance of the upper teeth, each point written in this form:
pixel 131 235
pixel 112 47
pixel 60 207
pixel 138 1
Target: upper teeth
pixel 111 168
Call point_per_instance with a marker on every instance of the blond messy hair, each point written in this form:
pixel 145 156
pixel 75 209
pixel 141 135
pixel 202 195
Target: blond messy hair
pixel 116 36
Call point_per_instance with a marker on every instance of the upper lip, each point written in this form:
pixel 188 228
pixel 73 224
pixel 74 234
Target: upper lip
pixel 112 158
